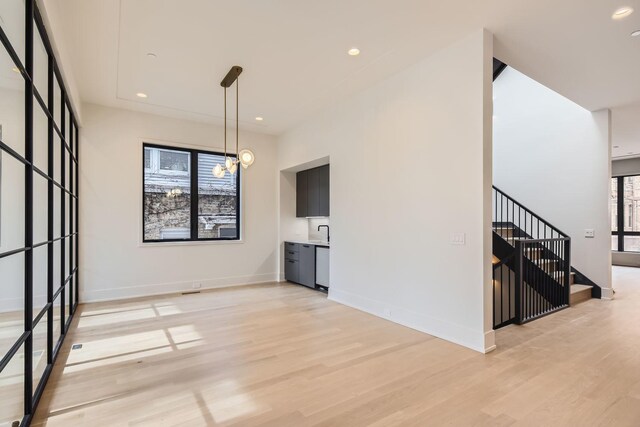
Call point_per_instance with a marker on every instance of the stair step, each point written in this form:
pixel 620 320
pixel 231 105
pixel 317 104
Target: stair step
pixel 579 293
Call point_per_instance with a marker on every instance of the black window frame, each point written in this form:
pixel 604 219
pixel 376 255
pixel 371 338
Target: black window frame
pixel 193 153
pixel 620 232
pixel 62 299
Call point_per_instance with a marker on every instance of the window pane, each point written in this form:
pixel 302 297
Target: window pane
pixel 632 243
pixel 11 103
pixel 174 161
pixel 12 19
pixel 40 66
pixel 11 301
pixel 614 204
pixel 11 203
pixel 631 203
pixel 57 158
pixel 39 351
pixel 40 208
pixel 57 102
pixel 57 247
pixel 12 390
pixel 217 200
pixel 40 138
pixel 57 315
pixel 614 243
pixel 40 258
pixel 167 197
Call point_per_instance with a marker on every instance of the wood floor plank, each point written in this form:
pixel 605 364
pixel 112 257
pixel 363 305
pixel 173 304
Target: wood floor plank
pixel 283 355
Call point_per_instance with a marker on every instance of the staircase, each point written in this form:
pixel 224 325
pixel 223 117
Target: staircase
pixel 532 272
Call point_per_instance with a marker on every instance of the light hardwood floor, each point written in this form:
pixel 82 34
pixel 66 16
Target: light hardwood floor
pixel 282 355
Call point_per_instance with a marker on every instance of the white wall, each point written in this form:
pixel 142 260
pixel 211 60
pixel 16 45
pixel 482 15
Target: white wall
pixel 410 164
pixel 554 157
pixel 113 262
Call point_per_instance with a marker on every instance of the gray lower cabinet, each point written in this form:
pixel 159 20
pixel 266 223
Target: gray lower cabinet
pixel 300 263
pixel 307 273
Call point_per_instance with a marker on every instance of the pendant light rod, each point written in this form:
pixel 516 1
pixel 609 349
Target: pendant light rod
pixel 237 119
pixel 231 76
pixel 225 122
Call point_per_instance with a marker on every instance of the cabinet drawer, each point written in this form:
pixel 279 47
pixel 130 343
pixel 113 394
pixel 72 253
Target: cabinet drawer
pixel 289 246
pixel 291 270
pixel 289 254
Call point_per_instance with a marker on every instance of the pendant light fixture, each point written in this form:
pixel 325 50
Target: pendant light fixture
pixel 244 157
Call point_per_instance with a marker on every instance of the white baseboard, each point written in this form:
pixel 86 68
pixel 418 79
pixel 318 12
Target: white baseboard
pixel 607 293
pixel 448 331
pixel 114 294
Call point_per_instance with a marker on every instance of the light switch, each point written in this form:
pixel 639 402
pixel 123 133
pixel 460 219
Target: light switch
pixel 589 233
pixel 457 239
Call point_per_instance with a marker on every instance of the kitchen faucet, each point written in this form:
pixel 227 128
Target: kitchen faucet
pixel 325 225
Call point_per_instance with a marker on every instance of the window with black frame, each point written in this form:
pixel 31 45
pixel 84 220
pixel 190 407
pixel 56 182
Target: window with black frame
pixel 183 201
pixel 38 210
pixel 625 213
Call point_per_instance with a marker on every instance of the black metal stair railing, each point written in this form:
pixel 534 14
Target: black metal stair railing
pixel 531 272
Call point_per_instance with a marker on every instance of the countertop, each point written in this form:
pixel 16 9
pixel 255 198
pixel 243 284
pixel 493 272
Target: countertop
pixel 311 242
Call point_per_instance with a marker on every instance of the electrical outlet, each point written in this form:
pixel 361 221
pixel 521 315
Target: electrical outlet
pixel 197 285
pixel 589 233
pixel 457 239
pixel 387 312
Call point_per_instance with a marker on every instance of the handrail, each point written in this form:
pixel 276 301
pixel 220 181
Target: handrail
pixel 538 217
pixel 555 239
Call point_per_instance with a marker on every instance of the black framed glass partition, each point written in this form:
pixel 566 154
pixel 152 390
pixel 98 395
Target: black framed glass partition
pixel 625 213
pixel 38 210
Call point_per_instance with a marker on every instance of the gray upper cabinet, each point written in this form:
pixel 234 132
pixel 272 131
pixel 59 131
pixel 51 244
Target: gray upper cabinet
pixel 312 192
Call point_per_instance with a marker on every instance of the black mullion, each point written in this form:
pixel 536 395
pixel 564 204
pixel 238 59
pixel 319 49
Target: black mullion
pixel 4 147
pixel 620 214
pixel 238 197
pixel 194 194
pixel 28 234
pixel 50 212
pixel 4 40
pixel 77 207
pixel 4 361
pixel 63 207
pixel 71 230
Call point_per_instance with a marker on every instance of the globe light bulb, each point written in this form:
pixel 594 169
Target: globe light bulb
pixel 218 171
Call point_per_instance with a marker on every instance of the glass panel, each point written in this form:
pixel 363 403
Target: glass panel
pixel 67 302
pixel 57 212
pixel 39 351
pixel 147 158
pixel 12 390
pixel 40 66
pixel 632 243
pixel 217 200
pixel 57 316
pixel 67 213
pixel 57 247
pixel 11 301
pixel 57 102
pixel 67 265
pixel 40 138
pixel 614 243
pixel 614 204
pixel 40 257
pixel 40 209
pixel 75 251
pixel 67 169
pixel 12 19
pixel 57 158
pixel 11 203
pixel 631 203
pixel 11 103
pixel 167 197
pixel 175 161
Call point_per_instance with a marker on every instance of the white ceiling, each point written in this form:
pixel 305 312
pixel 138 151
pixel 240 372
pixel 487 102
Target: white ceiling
pixel 294 51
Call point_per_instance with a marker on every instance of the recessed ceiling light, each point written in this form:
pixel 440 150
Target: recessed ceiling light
pixel 622 13
pixel 259 119
pixel 616 146
pixel 354 51
pixel 141 95
pixel 636 33
pixel 152 55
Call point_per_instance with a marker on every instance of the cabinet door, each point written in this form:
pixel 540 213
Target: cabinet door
pixel 323 191
pixel 313 195
pixel 307 274
pixel 291 270
pixel 322 267
pixel 302 184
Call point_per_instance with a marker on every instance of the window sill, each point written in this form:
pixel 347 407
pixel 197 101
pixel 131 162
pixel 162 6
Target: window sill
pixel 190 243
